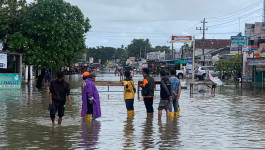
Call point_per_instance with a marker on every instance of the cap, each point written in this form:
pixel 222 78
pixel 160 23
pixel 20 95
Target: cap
pixel 85 74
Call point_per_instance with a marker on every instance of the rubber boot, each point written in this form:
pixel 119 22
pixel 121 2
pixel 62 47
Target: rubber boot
pixel 129 113
pixel 176 114
pixel 132 112
pixel 88 117
pixel 171 114
pixel 178 109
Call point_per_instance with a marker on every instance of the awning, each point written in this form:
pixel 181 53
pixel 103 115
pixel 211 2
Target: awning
pixel 180 61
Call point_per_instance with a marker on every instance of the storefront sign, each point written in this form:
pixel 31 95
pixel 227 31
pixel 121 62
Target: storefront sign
pixel 256 62
pixel 10 81
pixel 3 61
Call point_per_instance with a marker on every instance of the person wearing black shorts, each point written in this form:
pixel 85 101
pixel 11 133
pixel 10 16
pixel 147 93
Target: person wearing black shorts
pixel 59 90
pixel 165 95
pixel 148 87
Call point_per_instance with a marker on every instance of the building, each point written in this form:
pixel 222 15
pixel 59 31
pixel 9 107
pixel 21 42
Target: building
pixel 255 33
pixel 212 47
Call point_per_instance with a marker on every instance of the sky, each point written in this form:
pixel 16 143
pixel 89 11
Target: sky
pixel 118 22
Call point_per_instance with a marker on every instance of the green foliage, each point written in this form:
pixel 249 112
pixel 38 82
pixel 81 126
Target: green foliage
pixel 107 53
pixel 162 49
pixel 232 66
pixel 136 45
pixel 52 35
pixel 11 14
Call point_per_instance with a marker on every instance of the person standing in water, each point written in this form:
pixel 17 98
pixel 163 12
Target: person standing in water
pixel 129 91
pixel 176 90
pixel 90 99
pixel 59 90
pixel 165 94
pixel 148 87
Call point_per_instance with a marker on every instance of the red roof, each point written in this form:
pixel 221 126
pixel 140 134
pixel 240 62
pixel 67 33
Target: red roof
pixel 213 43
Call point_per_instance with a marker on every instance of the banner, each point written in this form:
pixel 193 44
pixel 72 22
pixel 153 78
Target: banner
pixel 3 61
pixel 181 39
pixel 215 79
pixel 10 81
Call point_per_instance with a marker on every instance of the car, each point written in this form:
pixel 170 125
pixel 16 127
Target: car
pixel 180 74
pixel 202 72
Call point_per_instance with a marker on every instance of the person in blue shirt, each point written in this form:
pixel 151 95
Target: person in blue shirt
pixel 176 90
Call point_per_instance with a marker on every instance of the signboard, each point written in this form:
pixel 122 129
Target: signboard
pixel 189 60
pixel 10 81
pixel 3 61
pixel 238 43
pixel 181 39
pixel 91 60
pixel 246 70
pixel 236 50
pixel 256 62
pixel 189 63
pixel 132 58
pixel 153 56
pixel 99 61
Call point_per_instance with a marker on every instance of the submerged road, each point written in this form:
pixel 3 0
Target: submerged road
pixel 233 119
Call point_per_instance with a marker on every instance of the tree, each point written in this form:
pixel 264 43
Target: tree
pixel 11 14
pixel 107 53
pixel 231 66
pixel 103 53
pixel 138 45
pixel 52 34
pixel 162 49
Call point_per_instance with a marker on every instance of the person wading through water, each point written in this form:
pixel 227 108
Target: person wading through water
pixel 59 90
pixel 90 99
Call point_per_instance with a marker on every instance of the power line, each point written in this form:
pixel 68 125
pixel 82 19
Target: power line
pixel 235 20
pixel 235 12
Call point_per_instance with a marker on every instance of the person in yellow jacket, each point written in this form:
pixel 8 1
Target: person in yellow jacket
pixel 129 90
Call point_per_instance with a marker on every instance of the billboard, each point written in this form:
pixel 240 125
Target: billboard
pixel 153 56
pixel 3 61
pixel 238 44
pixel 10 81
pixel 181 39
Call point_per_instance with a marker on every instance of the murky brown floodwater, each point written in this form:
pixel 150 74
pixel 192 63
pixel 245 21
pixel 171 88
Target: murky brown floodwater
pixel 233 119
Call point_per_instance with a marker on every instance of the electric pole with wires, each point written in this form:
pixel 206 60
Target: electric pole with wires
pixel 203 39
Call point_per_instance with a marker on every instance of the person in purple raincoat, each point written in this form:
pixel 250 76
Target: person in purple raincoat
pixel 90 99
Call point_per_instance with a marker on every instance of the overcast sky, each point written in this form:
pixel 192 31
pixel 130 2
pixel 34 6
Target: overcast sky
pixel 118 22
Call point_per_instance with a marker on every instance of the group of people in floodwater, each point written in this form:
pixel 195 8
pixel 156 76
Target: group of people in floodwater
pixel 170 90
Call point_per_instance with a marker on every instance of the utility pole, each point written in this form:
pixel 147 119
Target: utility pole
pixel 172 51
pixel 203 39
pixel 145 52
pixel 140 51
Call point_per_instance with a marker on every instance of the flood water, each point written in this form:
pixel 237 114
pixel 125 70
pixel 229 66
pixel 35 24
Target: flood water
pixel 233 119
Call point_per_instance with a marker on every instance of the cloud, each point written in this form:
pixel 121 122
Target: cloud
pixel 120 21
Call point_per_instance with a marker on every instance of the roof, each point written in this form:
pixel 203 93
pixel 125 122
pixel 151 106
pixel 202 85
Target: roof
pixel 213 43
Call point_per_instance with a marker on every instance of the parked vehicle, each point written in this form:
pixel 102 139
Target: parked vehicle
pixel 203 72
pixel 181 73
